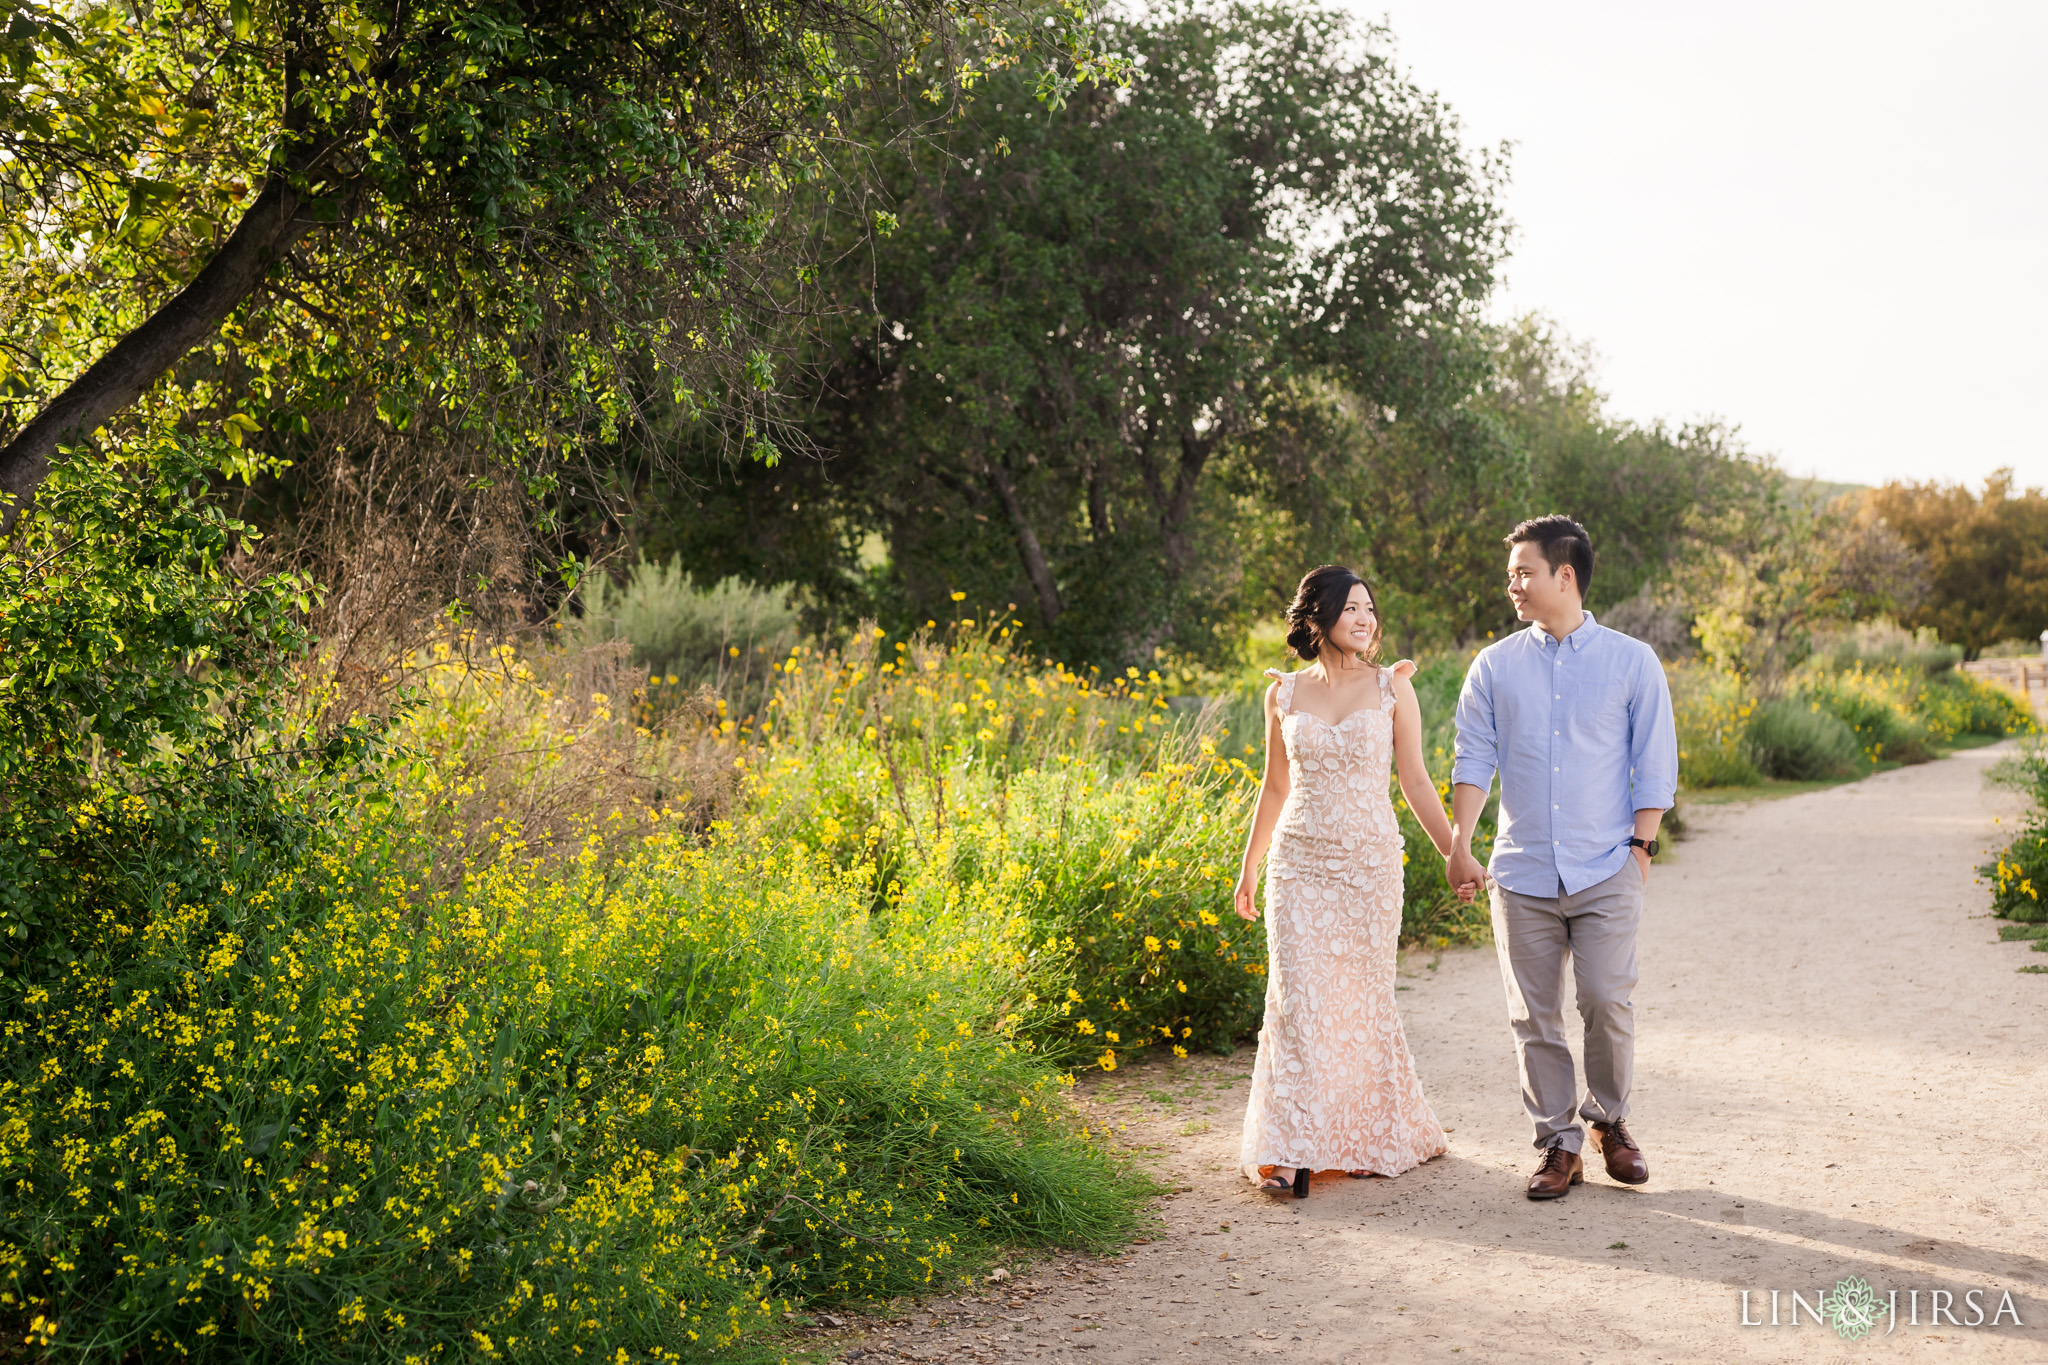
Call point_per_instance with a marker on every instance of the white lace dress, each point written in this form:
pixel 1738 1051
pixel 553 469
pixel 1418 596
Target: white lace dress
pixel 1335 1087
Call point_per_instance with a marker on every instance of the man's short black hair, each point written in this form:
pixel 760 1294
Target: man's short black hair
pixel 1563 541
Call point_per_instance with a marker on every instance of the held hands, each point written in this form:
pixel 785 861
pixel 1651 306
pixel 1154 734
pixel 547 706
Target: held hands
pixel 1465 874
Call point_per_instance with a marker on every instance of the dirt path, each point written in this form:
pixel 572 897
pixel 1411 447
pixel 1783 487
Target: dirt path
pixel 1840 1072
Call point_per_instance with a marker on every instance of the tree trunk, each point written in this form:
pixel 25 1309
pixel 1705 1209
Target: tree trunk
pixel 1033 554
pixel 1176 509
pixel 187 320
pixel 1098 503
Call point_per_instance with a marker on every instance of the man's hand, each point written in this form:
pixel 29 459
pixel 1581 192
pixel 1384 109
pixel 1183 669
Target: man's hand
pixel 1642 857
pixel 1464 873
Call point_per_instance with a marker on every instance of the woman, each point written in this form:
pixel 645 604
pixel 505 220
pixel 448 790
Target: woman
pixel 1334 1086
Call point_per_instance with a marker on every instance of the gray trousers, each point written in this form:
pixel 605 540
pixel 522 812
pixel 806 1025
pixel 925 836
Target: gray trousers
pixel 1595 930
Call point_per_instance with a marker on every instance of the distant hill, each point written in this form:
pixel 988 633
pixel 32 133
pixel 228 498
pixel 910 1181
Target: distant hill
pixel 1817 493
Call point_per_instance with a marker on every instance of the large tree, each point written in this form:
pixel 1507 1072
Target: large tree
pixel 525 213
pixel 1986 556
pixel 1418 502
pixel 1764 575
pixel 1640 490
pixel 1083 320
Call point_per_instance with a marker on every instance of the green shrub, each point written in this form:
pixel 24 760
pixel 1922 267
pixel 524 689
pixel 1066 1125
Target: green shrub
pixel 585 1108
pixel 2019 875
pixel 137 671
pixel 1112 826
pixel 1883 645
pixel 725 636
pixel 1956 703
pixel 1797 740
pixel 2019 879
pixel 1877 704
pixel 270 1089
pixel 1712 710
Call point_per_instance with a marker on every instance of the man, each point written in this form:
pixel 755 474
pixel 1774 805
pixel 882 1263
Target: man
pixel 1576 719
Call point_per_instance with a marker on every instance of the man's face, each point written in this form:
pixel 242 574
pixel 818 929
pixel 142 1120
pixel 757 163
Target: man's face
pixel 1534 587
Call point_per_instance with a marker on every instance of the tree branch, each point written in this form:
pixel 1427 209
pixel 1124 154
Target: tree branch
pixel 187 320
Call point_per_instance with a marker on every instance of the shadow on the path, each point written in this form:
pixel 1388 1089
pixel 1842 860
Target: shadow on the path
pixel 1707 1235
pixel 1736 1211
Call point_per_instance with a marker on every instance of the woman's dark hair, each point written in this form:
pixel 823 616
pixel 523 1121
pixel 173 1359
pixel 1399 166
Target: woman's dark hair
pixel 1562 541
pixel 1317 604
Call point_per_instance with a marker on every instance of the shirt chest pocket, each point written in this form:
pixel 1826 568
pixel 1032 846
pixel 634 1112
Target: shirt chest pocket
pixel 1599 705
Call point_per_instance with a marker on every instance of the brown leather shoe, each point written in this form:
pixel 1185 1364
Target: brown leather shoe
pixel 1624 1159
pixel 1555 1177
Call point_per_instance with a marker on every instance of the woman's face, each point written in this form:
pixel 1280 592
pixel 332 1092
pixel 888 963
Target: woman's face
pixel 1358 625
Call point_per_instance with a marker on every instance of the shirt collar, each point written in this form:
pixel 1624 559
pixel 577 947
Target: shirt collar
pixel 1578 638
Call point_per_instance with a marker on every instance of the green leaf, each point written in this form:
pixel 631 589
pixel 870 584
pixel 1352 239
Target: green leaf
pixel 237 426
pixel 501 1055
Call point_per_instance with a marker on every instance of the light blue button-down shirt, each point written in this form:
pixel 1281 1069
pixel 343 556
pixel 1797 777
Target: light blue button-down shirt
pixel 1580 732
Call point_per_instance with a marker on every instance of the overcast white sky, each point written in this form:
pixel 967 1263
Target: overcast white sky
pixel 1825 222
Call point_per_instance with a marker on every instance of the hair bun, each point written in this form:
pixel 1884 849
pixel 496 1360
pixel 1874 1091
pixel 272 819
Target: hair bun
pixel 1301 633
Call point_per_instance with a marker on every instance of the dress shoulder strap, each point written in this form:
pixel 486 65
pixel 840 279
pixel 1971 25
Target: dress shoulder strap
pixel 1286 681
pixel 1386 689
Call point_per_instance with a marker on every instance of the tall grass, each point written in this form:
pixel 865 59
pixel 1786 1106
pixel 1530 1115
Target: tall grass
pixel 1111 826
pixel 520 747
pixel 582 1028
pixel 1113 821
pixel 593 1093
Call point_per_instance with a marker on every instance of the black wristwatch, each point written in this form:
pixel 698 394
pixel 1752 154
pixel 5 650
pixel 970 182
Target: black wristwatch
pixel 1648 846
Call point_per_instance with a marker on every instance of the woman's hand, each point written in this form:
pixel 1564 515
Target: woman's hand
pixel 1466 876
pixel 1247 906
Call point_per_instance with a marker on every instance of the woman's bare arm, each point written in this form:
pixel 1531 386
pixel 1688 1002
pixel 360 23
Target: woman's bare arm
pixel 1273 788
pixel 1414 771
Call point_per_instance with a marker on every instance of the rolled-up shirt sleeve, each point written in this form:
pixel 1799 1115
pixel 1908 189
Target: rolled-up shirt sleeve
pixel 1653 738
pixel 1478 751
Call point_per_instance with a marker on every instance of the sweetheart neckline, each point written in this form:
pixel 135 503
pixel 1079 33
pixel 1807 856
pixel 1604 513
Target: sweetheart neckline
pixel 1340 724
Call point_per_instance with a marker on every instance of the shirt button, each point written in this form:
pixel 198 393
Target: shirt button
pixel 1558 695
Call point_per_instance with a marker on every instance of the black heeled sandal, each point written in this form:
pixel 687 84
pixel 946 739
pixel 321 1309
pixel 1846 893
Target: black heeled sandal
pixel 1273 1184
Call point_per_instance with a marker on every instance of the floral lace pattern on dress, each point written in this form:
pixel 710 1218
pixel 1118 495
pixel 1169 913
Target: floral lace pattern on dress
pixel 1335 1087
